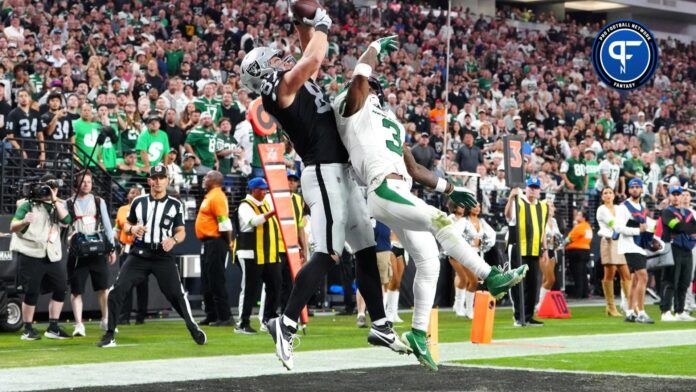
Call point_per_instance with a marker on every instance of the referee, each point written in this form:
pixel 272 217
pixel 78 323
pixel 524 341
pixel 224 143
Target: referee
pixel 157 222
pixel 214 229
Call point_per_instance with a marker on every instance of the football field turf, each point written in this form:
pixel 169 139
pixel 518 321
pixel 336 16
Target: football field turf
pixel 170 339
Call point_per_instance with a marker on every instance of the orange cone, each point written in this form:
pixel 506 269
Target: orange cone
pixel 554 306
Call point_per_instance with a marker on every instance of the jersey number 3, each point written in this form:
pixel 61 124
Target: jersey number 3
pixel 395 144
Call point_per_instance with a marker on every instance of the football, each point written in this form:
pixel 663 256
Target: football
pixel 304 9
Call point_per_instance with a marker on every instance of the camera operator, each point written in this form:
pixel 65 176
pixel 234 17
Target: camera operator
pixel 88 213
pixel 35 231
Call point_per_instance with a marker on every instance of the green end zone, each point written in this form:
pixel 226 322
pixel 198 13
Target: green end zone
pixel 661 361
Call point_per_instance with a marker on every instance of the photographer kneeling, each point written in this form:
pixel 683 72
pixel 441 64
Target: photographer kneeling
pixel 36 239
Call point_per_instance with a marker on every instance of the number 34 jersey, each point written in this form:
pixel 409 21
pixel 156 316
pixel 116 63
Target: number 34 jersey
pixel 308 121
pixel 374 139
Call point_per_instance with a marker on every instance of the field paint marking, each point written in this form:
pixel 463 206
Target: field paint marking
pixel 582 372
pixel 238 366
pixel 513 344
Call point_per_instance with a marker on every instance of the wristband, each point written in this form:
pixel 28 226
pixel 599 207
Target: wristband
pixel 362 69
pixel 441 185
pixel 376 46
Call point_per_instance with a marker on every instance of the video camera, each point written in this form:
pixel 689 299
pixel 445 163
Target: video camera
pixel 37 190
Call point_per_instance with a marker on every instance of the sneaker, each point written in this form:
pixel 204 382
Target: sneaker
pixel 79 330
pixel 643 318
pixel 630 318
pixel 56 333
pixel 360 322
pixel 498 282
pixel 107 341
pixel 417 340
pixel 245 330
pixel 683 316
pixel 535 323
pixel 385 336
pixel 198 336
pixel 282 336
pixel 32 334
pixel 223 323
pixel 668 317
pixel 207 321
pixel 516 324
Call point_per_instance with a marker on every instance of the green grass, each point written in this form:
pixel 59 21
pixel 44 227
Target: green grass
pixel 674 360
pixel 170 339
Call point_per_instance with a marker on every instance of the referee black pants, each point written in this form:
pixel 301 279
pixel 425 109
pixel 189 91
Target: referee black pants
pixel 578 259
pixel 254 274
pixel 141 290
pixel 137 269
pixel 530 285
pixel 676 280
pixel 213 262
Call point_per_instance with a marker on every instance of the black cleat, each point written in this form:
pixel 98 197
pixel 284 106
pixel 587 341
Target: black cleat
pixel 198 336
pixel 107 341
pixel 56 333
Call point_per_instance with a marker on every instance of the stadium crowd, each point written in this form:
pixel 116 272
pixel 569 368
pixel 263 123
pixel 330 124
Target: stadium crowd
pixel 165 77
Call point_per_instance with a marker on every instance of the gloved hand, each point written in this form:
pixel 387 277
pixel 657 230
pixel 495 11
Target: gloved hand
pixel 463 197
pixel 321 18
pixel 385 45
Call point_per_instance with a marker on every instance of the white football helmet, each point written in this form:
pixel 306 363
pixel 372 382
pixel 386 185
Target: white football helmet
pixel 257 65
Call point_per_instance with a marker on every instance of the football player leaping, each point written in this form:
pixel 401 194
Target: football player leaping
pixel 339 212
pixel 374 140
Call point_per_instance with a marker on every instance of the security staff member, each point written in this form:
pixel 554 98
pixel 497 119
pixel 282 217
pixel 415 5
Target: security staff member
pixel 257 251
pixel 530 218
pixel 157 221
pixel 678 227
pixel 35 231
pixel 126 241
pixel 88 213
pixel 214 229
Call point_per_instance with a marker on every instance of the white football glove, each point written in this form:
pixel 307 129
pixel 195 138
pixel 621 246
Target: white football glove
pixel 321 18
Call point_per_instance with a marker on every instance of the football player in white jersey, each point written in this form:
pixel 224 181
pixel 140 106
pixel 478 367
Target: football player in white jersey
pixel 374 139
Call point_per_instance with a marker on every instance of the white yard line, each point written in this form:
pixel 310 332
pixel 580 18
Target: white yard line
pixel 186 369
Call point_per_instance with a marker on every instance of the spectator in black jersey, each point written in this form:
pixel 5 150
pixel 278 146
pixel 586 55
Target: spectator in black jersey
pixel 56 125
pixel 5 109
pixel 22 128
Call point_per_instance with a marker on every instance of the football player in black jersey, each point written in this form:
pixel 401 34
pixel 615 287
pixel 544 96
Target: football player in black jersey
pixel 22 126
pixel 339 212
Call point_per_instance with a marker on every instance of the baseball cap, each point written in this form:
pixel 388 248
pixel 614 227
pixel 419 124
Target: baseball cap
pixel 649 123
pixel 55 47
pixel 257 183
pixel 158 171
pixel 635 182
pixel 206 114
pixel 188 155
pixel 531 125
pixel 173 150
pixel 641 114
pixel 293 174
pixel 152 117
pixel 533 182
pixel 516 118
pixel 12 44
pixel 425 134
pixel 676 189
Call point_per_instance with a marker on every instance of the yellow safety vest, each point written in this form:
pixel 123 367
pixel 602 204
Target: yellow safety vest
pixel 531 223
pixel 265 241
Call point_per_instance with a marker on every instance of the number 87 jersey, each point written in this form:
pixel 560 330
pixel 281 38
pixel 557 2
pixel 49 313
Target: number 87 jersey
pixel 374 139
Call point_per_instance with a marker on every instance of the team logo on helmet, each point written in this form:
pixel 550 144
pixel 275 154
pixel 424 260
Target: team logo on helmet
pixel 254 69
pixel 625 55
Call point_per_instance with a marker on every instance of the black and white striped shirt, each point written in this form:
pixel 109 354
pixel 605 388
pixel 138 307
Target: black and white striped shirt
pixel 159 216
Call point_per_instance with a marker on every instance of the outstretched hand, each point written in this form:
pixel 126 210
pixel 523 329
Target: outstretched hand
pixel 463 197
pixel 385 45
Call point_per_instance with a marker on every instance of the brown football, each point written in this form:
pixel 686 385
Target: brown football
pixel 304 9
